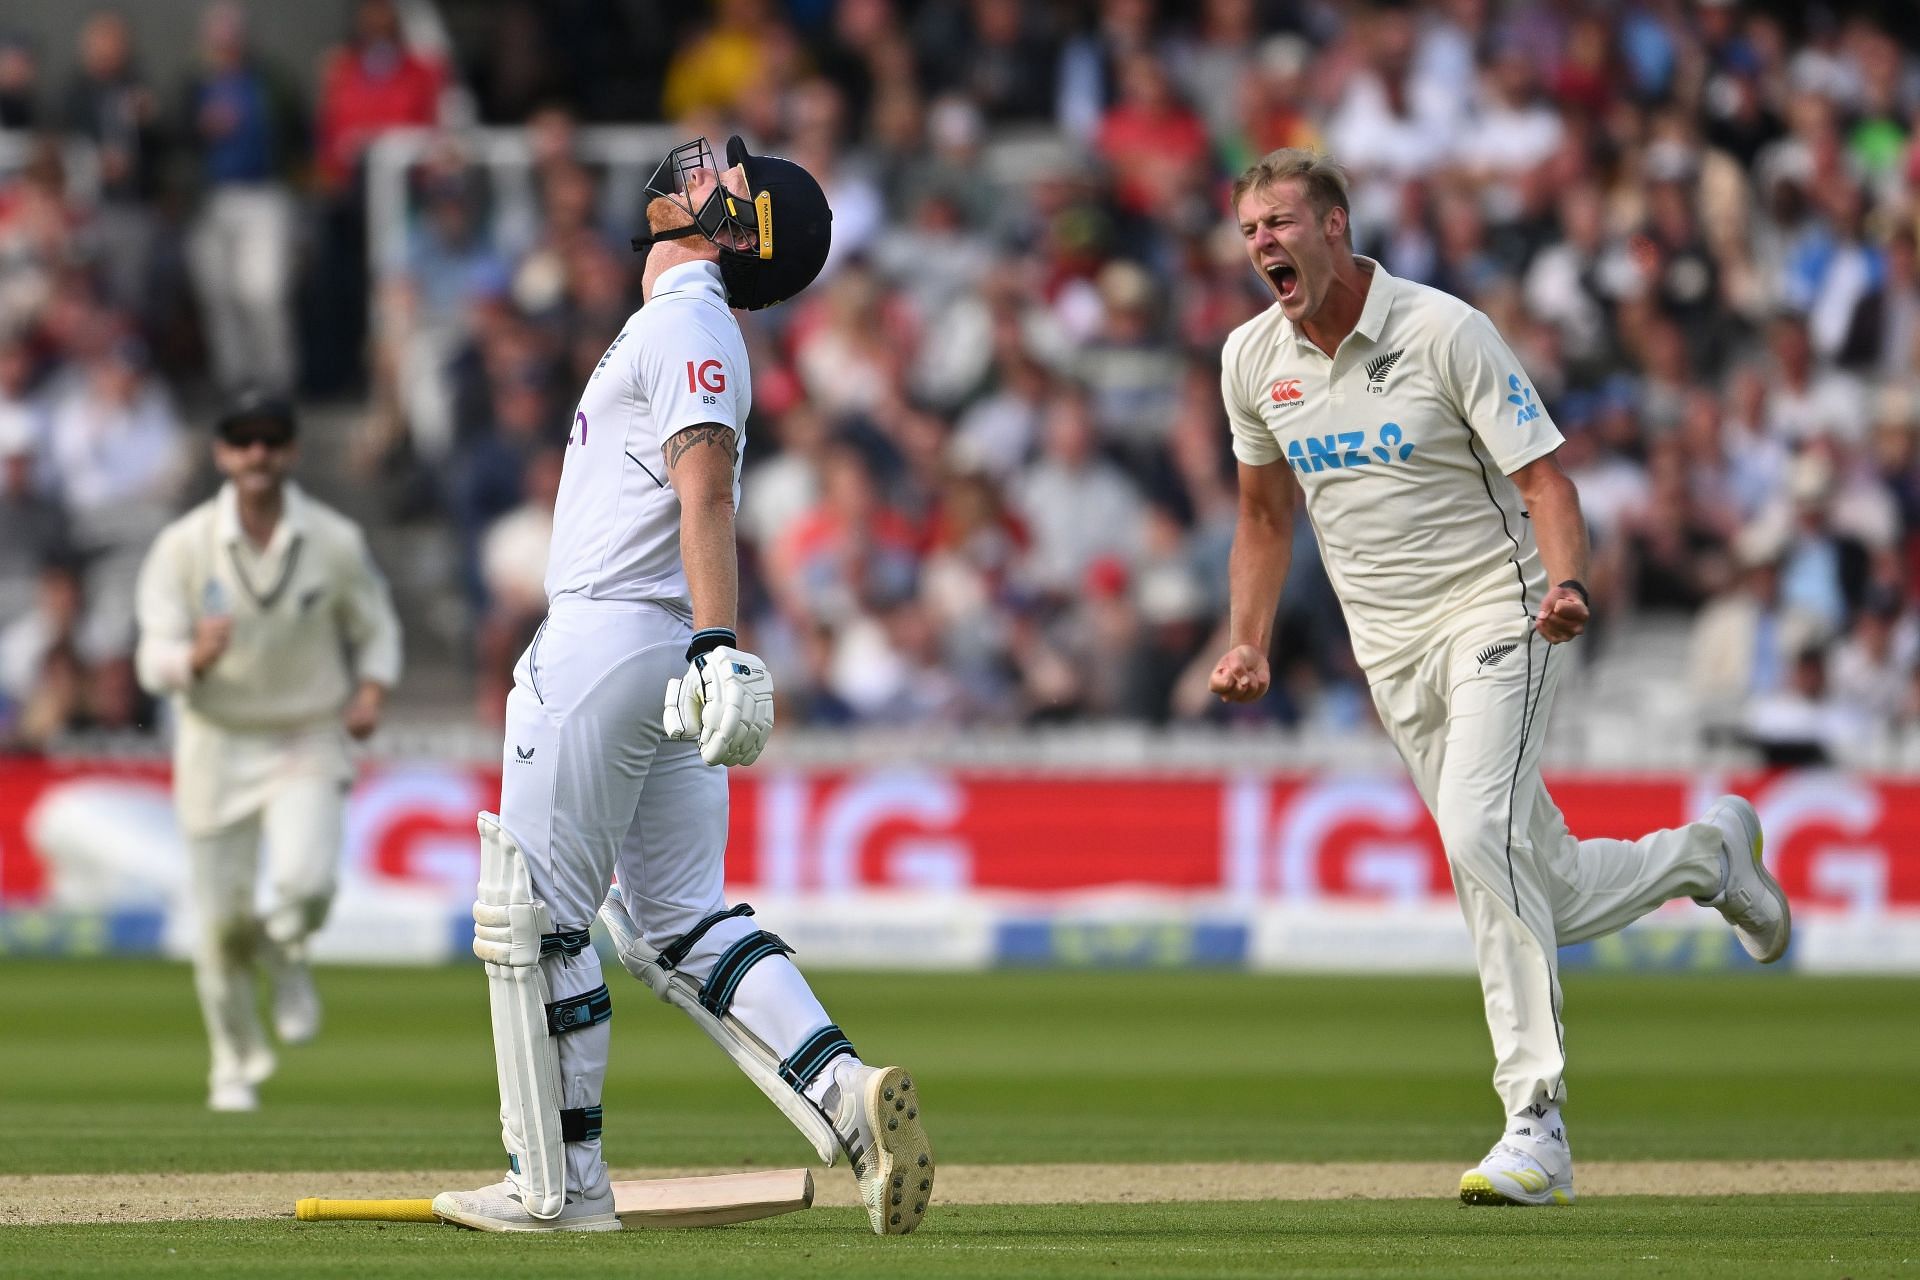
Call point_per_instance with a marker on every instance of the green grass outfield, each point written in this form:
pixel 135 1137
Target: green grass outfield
pixel 102 1070
pixel 1859 1237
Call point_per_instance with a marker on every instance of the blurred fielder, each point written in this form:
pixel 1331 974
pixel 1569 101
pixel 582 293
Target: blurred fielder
pixel 263 616
pixel 1457 548
pixel 598 776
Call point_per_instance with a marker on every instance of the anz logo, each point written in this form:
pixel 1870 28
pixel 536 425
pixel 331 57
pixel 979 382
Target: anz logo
pixel 1521 396
pixel 1349 449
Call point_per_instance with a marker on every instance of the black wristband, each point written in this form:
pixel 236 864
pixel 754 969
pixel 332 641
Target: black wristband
pixel 1574 584
pixel 708 638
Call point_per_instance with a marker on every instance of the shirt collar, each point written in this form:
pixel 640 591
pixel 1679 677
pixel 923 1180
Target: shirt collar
pixel 690 276
pixel 1373 312
pixel 293 518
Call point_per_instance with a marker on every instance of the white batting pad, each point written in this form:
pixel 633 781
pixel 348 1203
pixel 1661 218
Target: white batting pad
pixel 507 926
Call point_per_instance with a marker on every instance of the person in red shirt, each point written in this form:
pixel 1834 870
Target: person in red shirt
pixel 1155 144
pixel 369 85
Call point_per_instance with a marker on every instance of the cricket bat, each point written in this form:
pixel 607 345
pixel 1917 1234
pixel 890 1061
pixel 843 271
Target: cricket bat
pixel 651 1203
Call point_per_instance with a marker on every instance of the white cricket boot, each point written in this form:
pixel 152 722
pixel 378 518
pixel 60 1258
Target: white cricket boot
pixel 232 1095
pixel 235 1082
pixel 1750 898
pixel 498 1208
pixel 296 1004
pixel 877 1118
pixel 1522 1171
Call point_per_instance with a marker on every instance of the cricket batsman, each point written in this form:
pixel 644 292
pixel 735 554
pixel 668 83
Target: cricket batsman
pixel 1457 547
pixel 263 617
pixel 627 707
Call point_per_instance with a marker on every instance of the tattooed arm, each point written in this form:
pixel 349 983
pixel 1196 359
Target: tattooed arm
pixel 700 467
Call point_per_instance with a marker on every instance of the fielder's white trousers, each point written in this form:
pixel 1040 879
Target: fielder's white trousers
pixel 299 820
pixel 1468 718
pixel 590 785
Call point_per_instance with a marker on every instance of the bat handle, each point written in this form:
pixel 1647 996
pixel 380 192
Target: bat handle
pixel 317 1209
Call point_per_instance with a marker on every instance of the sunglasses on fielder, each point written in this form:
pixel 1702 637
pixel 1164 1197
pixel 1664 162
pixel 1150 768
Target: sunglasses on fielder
pixel 272 435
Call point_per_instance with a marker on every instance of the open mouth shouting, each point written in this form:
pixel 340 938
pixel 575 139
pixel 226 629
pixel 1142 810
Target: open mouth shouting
pixel 1286 281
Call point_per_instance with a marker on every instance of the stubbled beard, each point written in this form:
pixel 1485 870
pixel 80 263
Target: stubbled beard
pixel 664 213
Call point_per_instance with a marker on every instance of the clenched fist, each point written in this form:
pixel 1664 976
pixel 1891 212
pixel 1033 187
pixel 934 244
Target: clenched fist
pixel 1242 675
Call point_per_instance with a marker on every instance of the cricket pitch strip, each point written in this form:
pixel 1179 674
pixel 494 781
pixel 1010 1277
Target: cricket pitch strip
pixel 40 1199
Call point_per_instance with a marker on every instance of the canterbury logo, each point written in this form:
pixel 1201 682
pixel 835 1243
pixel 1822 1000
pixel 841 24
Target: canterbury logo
pixel 1380 366
pixel 1286 391
pixel 1492 655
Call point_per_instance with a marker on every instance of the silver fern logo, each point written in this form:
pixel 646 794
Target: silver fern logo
pixel 1379 367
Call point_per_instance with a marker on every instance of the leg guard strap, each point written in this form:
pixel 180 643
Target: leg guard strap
pixel 671 957
pixel 718 992
pixel 588 1009
pixel 811 1058
pixel 579 1124
pixel 566 942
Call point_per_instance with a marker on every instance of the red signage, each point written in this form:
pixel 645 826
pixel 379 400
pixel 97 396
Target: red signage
pixel 1836 841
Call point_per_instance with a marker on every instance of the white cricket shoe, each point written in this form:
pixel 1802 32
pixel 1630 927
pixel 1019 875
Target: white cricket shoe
pixel 234 1083
pixel 1521 1171
pixel 296 1004
pixel 1751 899
pixel 878 1123
pixel 498 1208
pixel 232 1095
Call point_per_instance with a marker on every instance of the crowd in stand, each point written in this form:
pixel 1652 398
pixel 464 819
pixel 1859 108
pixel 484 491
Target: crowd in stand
pixel 987 479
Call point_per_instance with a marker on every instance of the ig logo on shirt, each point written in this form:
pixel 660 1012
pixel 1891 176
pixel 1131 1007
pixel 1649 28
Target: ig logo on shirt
pixel 706 377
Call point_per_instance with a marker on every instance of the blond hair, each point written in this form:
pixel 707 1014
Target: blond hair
pixel 1324 180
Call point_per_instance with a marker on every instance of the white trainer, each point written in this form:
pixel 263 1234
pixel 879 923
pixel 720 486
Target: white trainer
pixel 878 1122
pixel 498 1208
pixel 1521 1171
pixel 232 1095
pixel 1751 899
pixel 296 1004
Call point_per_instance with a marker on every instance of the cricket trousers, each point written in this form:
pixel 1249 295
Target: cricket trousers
pixel 1468 718
pixel 296 788
pixel 590 786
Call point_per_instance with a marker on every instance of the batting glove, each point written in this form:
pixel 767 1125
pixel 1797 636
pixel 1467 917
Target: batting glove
pixel 724 702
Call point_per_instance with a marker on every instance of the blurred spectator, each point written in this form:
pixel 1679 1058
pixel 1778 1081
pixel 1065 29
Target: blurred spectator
pixel 1154 144
pixel 1872 667
pixel 19 82
pixel 246 133
pixel 1740 641
pixel 715 69
pixel 1805 402
pixel 1130 372
pixel 448 263
pixel 852 550
pixel 42 675
pixel 35 523
pixel 1079 506
pixel 371 84
pixel 513 564
pixel 116 450
pixel 998 53
pixel 109 102
pixel 1802 723
pixel 1824 572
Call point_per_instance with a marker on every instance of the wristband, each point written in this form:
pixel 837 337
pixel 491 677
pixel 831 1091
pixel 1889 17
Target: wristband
pixel 709 638
pixel 1574 584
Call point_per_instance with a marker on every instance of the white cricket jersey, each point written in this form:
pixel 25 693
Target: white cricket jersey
pixel 678 362
pixel 1403 441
